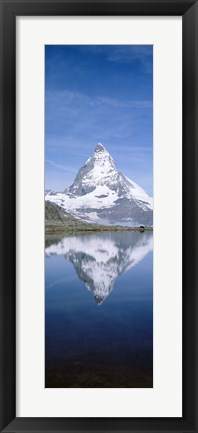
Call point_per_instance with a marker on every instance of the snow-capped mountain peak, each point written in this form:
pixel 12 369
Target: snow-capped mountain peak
pixel 101 193
pixel 97 171
pixel 100 148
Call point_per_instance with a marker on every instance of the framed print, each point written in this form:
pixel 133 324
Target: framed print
pixel 101 242
pixel 98 216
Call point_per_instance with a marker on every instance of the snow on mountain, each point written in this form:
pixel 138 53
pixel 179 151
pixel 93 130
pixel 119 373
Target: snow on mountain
pixel 100 259
pixel 101 193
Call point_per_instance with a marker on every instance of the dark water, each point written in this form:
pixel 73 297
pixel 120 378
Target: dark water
pixel 99 310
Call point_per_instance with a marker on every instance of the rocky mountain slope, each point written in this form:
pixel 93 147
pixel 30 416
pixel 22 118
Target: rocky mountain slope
pixel 57 219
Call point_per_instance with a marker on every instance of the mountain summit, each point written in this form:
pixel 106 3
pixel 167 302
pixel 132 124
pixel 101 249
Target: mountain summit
pixel 96 172
pixel 100 148
pixel 100 193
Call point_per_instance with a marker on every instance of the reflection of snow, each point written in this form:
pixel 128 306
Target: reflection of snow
pixel 100 258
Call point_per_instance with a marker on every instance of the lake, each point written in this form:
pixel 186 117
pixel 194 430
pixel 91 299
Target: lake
pixel 99 310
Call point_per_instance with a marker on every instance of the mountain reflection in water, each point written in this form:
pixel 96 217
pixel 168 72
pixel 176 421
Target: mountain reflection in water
pixel 87 346
pixel 100 258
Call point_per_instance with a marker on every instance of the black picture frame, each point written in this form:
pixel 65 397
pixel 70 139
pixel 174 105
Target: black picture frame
pixel 188 9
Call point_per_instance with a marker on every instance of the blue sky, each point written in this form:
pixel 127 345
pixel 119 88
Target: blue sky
pixel 98 93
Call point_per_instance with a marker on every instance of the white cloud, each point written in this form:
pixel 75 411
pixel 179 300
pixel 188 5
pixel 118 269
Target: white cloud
pixel 60 166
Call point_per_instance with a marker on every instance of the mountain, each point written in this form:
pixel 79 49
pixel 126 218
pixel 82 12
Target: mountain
pixel 57 219
pixel 102 194
pixel 99 259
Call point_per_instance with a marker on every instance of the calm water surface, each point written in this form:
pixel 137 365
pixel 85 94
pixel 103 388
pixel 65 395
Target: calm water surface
pixel 99 310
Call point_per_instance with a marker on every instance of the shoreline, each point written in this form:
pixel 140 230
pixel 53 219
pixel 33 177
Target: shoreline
pixel 70 230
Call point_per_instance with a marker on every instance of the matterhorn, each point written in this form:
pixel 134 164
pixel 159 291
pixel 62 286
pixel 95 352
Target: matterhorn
pixel 103 195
